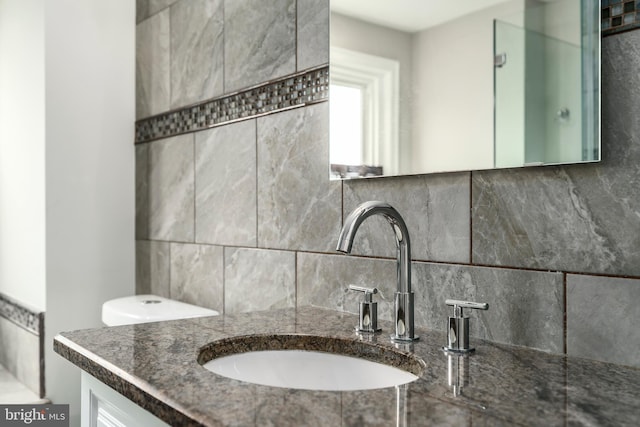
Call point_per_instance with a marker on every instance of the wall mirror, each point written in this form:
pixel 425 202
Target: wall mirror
pixel 424 86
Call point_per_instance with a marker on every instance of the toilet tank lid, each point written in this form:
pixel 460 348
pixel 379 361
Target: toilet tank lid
pixel 149 308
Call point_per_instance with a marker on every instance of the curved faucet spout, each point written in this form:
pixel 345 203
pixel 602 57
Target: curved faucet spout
pixel 404 296
pixel 403 245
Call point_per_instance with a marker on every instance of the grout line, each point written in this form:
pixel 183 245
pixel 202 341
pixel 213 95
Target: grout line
pixel 224 50
pixel 257 179
pixel 565 308
pixel 295 36
pixel 471 217
pixel 423 261
pixel 295 275
pixel 169 55
pixel 169 268
pixel 223 309
pixel 195 188
pixel 341 204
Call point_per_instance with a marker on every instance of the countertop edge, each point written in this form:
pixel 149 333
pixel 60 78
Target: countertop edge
pixel 127 385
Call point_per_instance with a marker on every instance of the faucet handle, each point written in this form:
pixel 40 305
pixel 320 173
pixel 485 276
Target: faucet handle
pixel 368 311
pixel 458 305
pixel 458 325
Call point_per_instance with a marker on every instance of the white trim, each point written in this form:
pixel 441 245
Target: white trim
pixel 380 80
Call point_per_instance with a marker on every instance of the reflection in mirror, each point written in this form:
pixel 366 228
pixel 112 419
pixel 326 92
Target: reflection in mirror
pixel 423 86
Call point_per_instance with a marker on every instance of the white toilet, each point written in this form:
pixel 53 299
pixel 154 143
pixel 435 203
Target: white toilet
pixel 149 308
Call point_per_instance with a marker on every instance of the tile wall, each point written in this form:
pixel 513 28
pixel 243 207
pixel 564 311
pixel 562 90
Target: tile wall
pixel 619 15
pixel 22 352
pixel 243 217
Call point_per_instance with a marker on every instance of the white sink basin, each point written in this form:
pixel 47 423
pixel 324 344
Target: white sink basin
pixel 309 370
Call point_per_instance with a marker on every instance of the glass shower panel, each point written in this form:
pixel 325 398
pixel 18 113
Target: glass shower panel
pixel 509 90
pixel 538 98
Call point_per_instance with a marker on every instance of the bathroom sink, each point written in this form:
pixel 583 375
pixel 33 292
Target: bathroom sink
pixel 310 363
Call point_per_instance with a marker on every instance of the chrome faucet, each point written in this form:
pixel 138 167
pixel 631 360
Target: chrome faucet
pixel 403 296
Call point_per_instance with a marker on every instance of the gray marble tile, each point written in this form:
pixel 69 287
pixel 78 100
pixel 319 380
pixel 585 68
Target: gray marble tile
pixel 197 275
pixel 574 218
pixel 525 307
pixel 535 218
pixel 226 211
pixel 153 265
pixel 256 279
pixel 323 282
pixel 152 65
pixel 298 207
pixel 13 392
pixel 601 318
pixel 196 51
pixel 171 189
pixel 147 8
pixel 313 33
pixel 259 41
pixel 142 191
pixel 20 354
pixel 435 208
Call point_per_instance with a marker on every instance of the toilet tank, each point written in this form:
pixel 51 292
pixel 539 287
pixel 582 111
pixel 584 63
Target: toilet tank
pixel 149 308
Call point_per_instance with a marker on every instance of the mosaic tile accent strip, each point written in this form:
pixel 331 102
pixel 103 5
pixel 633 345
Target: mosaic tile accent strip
pixel 619 15
pixel 21 316
pixel 292 91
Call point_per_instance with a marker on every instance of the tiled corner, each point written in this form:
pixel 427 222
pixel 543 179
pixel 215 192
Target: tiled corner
pixel 435 208
pixel 171 189
pixel 13 392
pixel 152 65
pixel 298 207
pixel 256 279
pixel 259 41
pixel 226 207
pixel 22 346
pixel 196 51
pixel 197 273
pixel 20 355
pixel 153 268
pixel 21 315
pixel 313 33
pixel 601 314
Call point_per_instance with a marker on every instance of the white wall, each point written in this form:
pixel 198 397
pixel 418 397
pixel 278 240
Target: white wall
pixel 66 165
pixel 22 152
pixel 90 107
pixel 453 79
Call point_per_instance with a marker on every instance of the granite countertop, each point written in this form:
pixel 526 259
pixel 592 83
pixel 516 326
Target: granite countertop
pixel 156 366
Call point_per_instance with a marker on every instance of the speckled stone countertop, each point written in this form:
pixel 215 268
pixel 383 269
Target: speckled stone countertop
pixel 156 366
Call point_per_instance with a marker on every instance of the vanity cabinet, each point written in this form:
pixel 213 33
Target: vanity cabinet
pixel 104 407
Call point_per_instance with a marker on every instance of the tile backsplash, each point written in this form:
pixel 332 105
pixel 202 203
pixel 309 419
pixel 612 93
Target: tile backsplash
pixel 22 338
pixel 243 216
